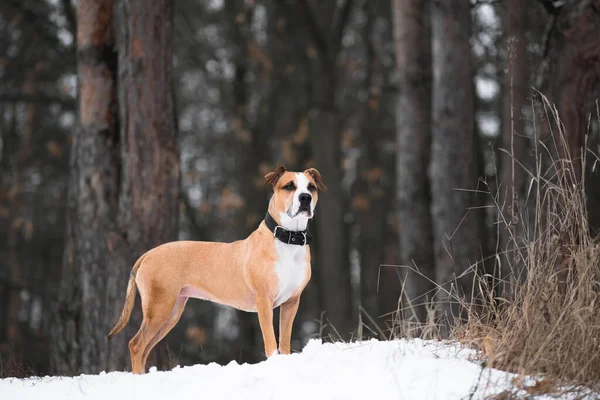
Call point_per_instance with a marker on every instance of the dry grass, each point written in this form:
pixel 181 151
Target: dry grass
pixel 544 319
pixel 550 323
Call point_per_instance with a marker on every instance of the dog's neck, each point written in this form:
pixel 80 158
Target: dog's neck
pixel 298 223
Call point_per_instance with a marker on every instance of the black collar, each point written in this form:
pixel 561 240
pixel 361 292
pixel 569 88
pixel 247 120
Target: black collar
pixel 299 238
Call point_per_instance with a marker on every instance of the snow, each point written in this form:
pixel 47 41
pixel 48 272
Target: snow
pixel 399 369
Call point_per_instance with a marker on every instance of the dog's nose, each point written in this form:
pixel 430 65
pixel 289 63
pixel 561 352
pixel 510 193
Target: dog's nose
pixel 305 198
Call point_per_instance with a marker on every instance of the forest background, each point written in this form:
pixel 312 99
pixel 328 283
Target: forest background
pixel 126 124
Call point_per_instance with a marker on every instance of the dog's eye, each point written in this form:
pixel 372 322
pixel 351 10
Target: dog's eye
pixel 289 187
pixel 311 187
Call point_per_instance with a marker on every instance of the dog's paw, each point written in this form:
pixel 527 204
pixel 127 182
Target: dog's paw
pixel 273 354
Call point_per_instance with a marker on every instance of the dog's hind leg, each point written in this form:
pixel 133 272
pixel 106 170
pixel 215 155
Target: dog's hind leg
pixel 156 313
pixel 166 328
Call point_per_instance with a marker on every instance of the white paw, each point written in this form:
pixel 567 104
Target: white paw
pixel 273 354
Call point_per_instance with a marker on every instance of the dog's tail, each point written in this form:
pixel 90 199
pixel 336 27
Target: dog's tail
pixel 129 300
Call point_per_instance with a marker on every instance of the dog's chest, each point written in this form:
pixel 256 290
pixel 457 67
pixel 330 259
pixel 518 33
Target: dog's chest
pixel 291 269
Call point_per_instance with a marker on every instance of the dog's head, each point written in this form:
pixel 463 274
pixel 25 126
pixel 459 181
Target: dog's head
pixel 295 195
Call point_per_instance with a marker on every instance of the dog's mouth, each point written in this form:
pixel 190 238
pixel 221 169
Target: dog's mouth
pixel 303 210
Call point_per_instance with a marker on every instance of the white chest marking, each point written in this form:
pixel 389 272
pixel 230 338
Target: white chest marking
pixel 291 269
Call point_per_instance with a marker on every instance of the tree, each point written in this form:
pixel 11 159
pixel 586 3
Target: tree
pixel 34 131
pixel 372 190
pixel 572 84
pixel 571 79
pixel 455 229
pixel 319 27
pixel 124 187
pixel 149 192
pixel 93 199
pixel 413 123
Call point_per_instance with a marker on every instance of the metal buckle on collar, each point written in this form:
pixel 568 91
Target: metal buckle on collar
pixel 304 234
pixel 275 230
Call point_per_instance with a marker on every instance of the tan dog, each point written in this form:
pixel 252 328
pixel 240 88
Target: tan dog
pixel 268 269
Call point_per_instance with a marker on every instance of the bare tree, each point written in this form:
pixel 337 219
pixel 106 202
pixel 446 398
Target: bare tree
pixel 413 123
pixel 124 176
pixel 455 229
pixel 571 79
pixel 79 343
pixel 320 27
pixel 149 192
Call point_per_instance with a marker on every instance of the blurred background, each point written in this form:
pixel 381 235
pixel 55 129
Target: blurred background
pixel 125 125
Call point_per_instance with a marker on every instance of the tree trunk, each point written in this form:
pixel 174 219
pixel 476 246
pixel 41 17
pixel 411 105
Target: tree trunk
pixel 84 309
pixel 124 176
pixel 413 123
pixel 320 44
pixel 573 79
pixel 572 84
pixel 331 250
pixel 149 201
pixel 455 229
pixel 514 142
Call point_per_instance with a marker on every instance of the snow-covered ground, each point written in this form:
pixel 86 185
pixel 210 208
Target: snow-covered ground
pixel 401 369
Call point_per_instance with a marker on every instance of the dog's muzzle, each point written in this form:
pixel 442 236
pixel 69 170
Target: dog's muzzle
pixel 305 200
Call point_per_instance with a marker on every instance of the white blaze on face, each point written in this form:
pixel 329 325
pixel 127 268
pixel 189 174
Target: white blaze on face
pixel 291 220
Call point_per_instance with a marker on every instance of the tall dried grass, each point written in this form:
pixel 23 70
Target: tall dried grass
pixel 550 323
pixel 544 319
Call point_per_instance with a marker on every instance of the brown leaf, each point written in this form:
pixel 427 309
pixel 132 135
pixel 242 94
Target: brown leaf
pixel 288 152
pixel 361 202
pixel 252 220
pixel 230 200
pixel 204 208
pixel 489 350
pixel 373 174
pixel 244 136
pixel 373 104
pixel 196 334
pixel 281 24
pixel 264 168
pixel 347 138
pixel 17 223
pixel 302 132
pixel 311 52
pixel 13 191
pixel 28 229
pixel 542 386
pixel 258 55
pixel 375 90
pixel 55 150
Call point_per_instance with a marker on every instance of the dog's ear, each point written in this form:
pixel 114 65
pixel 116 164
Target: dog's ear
pixel 316 175
pixel 272 177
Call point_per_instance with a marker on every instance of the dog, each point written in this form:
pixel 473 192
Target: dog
pixel 268 269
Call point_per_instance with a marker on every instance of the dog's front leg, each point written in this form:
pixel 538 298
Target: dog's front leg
pixel 286 320
pixel 264 306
